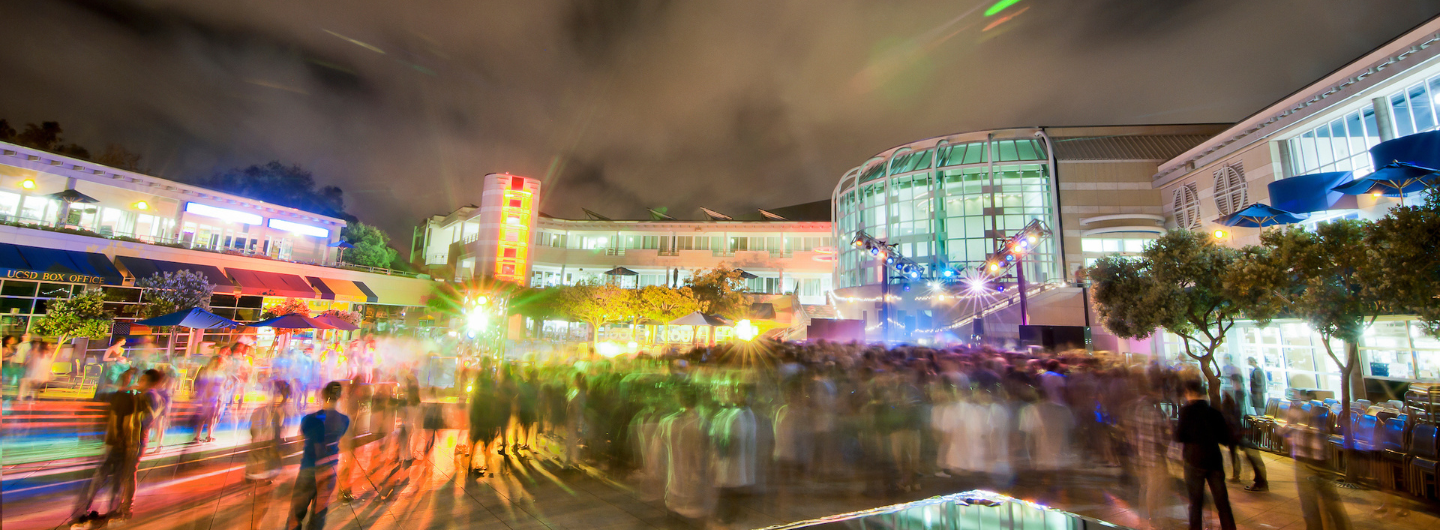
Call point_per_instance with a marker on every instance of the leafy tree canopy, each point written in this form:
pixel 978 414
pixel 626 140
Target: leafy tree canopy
pixel 662 304
pixel 372 246
pixel 167 292
pixel 82 315
pixel 1178 284
pixel 720 291
pixel 290 305
pixel 46 137
pixel 1404 245
pixel 594 303
pixel 277 183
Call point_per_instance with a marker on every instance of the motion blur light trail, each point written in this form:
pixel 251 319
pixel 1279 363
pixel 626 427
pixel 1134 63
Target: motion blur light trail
pixel 1000 6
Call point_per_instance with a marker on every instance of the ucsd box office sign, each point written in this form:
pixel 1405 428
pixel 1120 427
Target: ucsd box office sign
pixel 20 262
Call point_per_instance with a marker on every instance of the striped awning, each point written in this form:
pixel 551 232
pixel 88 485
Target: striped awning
pixel 340 290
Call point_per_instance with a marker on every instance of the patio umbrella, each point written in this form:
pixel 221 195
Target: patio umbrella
pixel 746 275
pixel 292 321
pixel 1260 215
pixel 1402 166
pixel 335 322
pixel 71 196
pixel 194 318
pixel 341 244
pixel 621 271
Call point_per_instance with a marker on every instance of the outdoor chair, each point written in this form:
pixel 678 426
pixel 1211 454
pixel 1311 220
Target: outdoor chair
pixel 90 378
pixel 1423 461
pixel 1390 472
pixel 59 376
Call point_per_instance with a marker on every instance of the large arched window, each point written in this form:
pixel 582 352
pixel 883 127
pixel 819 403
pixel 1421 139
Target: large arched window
pixel 1231 193
pixel 1187 207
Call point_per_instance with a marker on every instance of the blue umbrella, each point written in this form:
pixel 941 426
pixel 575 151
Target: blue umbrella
pixel 1403 165
pixel 194 318
pixel 1260 215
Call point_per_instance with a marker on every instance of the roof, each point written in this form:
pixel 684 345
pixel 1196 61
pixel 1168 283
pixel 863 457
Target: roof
pixel 1129 147
pixel 810 211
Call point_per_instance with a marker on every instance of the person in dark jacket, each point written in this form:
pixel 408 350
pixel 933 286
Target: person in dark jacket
pixel 1258 381
pixel 1202 429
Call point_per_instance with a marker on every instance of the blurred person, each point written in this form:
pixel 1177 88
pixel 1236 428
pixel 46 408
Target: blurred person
pixel 262 462
pixel 1319 503
pixel 1258 382
pixel 409 416
pixel 209 390
pixel 1201 429
pixel 165 392
pixel 1048 426
pixel 40 358
pixel 1053 382
pixel 575 402
pixel 126 432
pixel 733 439
pixel 794 438
pixel 1150 436
pixel 11 367
pixel 315 483
pixel 1234 406
pixel 688 493
pixel 354 403
pixel 487 414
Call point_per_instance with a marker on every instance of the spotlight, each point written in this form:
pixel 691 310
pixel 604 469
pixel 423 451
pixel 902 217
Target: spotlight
pixel 142 205
pixel 934 285
pixel 994 267
pixel 1031 238
pixel 948 273
pixel 874 251
pixel 914 274
pixel 1220 234
pixel 28 184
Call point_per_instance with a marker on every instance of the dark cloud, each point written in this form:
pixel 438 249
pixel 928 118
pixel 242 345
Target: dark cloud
pixel 626 104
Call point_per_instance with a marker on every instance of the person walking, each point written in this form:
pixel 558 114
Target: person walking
pixel 1201 430
pixel 315 483
pixel 1318 499
pixel 1258 382
pixel 126 433
pixel 1236 408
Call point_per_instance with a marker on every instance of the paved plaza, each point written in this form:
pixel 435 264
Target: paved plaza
pixel 189 488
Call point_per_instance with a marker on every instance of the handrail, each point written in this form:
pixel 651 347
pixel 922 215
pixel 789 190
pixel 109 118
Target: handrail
pixel 949 514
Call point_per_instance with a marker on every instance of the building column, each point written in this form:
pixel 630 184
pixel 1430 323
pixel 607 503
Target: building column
pixel 1384 118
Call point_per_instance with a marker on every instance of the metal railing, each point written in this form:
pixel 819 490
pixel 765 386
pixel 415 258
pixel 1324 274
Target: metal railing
pixel 971 510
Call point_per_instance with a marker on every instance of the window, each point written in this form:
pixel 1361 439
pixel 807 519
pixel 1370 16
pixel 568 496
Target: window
pixel 1341 145
pixel 1231 193
pixel 1187 207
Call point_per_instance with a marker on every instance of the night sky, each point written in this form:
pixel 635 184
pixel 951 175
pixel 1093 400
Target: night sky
pixel 625 104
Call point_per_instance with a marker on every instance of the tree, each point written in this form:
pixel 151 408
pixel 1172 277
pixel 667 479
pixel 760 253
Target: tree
pixel 371 246
pixel 720 291
pixel 1403 247
pixel 82 315
pixel 290 305
pixel 1177 284
pixel 167 292
pixel 1321 278
pixel 118 157
pixel 594 303
pixel 277 183
pixel 663 304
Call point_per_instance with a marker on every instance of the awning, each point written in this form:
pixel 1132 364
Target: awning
pixel 141 268
pixel 263 283
pixel 194 318
pixel 370 296
pixel 1311 193
pixel 48 264
pixel 339 290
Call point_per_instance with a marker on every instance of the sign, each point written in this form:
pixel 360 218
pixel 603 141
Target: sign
pixel 52 276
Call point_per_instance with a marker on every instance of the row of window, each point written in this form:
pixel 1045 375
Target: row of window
pixel 955 155
pixel 666 243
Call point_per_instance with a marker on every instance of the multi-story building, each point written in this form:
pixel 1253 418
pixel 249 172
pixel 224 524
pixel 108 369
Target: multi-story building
pixel 783 251
pixel 1289 155
pixel 948 202
pixel 68 224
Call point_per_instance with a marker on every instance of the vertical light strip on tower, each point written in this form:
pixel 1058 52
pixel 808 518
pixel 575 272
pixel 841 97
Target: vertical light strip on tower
pixel 512 253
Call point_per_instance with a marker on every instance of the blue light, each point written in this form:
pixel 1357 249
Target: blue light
pixel 874 251
pixel 914 274
pixel 948 273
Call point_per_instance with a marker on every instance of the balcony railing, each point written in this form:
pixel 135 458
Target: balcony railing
pixel 38 224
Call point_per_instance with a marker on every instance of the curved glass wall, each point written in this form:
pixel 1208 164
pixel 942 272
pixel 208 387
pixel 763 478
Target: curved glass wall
pixel 946 204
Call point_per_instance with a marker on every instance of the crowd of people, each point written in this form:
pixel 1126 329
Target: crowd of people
pixel 704 429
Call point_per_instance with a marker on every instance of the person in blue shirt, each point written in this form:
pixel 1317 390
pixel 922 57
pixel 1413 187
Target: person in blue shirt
pixel 315 484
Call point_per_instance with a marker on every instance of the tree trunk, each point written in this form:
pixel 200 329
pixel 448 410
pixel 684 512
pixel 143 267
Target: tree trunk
pixel 1212 379
pixel 1352 356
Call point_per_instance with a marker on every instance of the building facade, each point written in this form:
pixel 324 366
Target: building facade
pixel 118 227
pixel 785 251
pixel 1328 126
pixel 948 203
